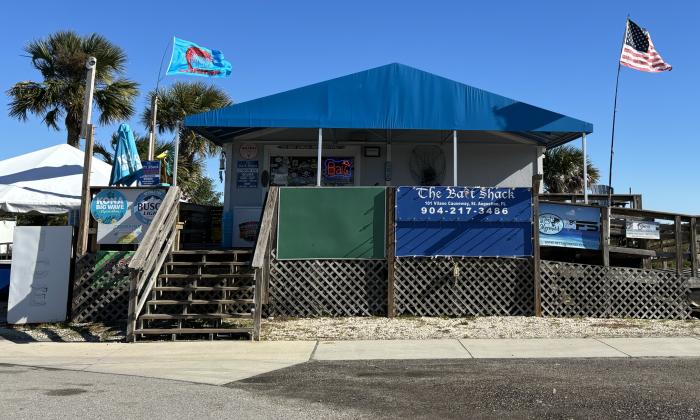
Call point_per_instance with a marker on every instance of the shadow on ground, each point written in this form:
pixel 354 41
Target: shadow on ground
pixel 554 388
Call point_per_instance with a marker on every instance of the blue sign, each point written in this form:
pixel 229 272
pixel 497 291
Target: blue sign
pixel 151 173
pixel 108 206
pixel 463 221
pixel 146 205
pixel 247 174
pixel 569 226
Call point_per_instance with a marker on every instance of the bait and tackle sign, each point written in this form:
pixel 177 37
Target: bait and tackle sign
pixel 463 221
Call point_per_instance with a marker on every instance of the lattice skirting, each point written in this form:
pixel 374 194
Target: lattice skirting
pixel 310 288
pixel 611 292
pixel 101 287
pixel 485 286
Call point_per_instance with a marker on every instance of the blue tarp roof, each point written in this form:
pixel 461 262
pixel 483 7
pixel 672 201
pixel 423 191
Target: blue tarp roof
pixel 390 97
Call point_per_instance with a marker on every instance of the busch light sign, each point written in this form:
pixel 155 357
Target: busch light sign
pixel 463 221
pixel 123 215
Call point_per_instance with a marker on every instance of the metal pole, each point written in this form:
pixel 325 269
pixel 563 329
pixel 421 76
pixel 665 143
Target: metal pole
pixel 177 154
pixel 612 137
pixel 454 157
pixel 91 65
pixel 152 136
pixel 89 135
pixel 318 161
pixel 82 245
pixel 585 169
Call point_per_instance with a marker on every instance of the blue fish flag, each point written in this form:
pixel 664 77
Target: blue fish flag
pixel 127 165
pixel 190 59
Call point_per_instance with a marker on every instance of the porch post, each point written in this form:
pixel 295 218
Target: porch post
pixel 177 154
pixel 318 161
pixel 585 169
pixel 454 157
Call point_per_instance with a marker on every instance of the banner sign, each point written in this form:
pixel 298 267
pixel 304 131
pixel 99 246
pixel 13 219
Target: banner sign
pixel 151 173
pixel 247 174
pixel 463 221
pixel 123 215
pixel 568 226
pixel 642 230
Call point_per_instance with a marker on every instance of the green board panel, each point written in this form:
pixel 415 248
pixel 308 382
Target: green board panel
pixel 327 222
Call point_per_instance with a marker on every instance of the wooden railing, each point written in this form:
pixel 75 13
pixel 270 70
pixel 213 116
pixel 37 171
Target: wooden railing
pixel 148 259
pixel 262 256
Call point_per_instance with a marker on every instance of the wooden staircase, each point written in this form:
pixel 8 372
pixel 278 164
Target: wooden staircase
pixel 198 293
pixel 201 294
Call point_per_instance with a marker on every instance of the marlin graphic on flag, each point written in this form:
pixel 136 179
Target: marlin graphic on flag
pixel 190 59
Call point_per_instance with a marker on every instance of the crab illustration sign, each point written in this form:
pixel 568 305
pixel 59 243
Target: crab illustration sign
pixel 123 215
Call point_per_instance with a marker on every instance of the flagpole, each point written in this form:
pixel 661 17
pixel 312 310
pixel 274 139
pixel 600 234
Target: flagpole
pixel 612 137
pixel 154 108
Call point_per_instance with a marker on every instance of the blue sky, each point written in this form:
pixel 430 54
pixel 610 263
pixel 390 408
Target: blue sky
pixel 557 55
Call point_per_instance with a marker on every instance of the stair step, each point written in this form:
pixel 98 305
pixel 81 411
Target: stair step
pixel 203 264
pixel 207 276
pixel 200 302
pixel 196 316
pixel 192 330
pixel 201 288
pixel 213 252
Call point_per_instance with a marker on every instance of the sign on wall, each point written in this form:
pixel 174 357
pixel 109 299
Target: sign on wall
pixel 463 221
pixel 123 215
pixel 569 226
pixel 40 274
pixel 247 174
pixel 246 226
pixel 338 171
pixel 642 229
pixel 150 175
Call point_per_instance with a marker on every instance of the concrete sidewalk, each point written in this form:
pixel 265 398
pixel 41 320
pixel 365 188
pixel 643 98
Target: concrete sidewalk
pixel 220 362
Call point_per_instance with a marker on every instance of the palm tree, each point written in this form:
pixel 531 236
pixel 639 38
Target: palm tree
pixel 61 58
pixel 197 187
pixel 106 152
pixel 563 170
pixel 175 103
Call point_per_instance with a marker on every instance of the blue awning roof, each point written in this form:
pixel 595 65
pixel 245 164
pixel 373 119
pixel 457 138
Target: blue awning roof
pixel 391 97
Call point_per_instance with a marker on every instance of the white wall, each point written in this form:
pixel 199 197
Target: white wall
pixel 479 164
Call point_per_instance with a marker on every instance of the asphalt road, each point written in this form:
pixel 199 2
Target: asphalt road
pixel 555 388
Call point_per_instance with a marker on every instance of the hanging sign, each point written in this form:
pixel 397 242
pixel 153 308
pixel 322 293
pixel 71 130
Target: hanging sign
pixel 247 174
pixel 150 173
pixel 123 215
pixel 463 221
pixel 642 230
pixel 567 226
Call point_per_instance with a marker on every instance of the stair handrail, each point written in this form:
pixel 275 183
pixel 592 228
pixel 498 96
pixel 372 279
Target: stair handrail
pixel 263 255
pixel 147 261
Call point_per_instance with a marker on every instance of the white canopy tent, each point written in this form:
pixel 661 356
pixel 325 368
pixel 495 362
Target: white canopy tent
pixel 47 181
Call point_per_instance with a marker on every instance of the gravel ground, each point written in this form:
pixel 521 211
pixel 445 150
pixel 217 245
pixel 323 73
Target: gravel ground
pixel 376 328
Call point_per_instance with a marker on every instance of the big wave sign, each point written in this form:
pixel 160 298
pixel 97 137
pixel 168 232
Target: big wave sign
pixel 123 215
pixel 463 221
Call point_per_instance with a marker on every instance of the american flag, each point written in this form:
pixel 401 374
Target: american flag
pixel 638 51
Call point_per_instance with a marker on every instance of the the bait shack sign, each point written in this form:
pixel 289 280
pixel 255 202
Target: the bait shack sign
pixel 463 221
pixel 123 215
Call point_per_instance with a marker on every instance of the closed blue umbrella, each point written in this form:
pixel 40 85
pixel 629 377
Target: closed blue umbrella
pixel 127 164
